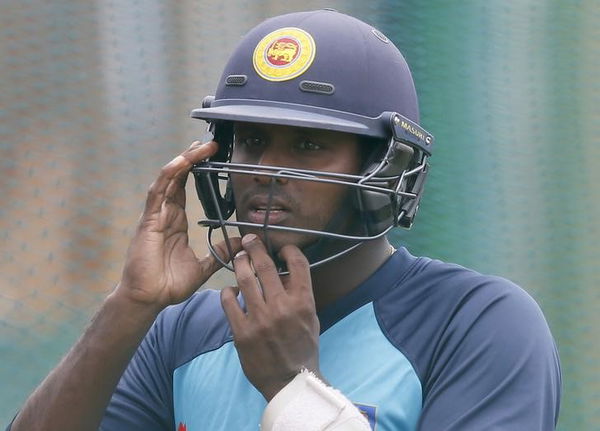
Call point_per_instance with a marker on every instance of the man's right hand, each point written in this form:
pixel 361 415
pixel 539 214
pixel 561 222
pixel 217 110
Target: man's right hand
pixel 161 268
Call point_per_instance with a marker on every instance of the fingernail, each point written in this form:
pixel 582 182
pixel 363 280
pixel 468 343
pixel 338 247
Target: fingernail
pixel 240 254
pixel 198 144
pixel 247 239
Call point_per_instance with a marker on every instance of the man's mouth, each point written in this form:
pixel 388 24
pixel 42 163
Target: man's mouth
pixel 261 210
pixel 262 214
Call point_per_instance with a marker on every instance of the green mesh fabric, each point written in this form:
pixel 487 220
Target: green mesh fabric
pixel 95 97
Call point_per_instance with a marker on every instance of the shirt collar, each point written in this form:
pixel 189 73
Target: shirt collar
pixel 381 281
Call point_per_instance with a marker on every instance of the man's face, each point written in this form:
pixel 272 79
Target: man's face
pixel 295 203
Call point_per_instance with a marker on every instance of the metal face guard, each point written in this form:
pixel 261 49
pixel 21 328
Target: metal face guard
pixel 384 201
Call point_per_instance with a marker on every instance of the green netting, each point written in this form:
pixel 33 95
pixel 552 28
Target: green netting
pixel 94 98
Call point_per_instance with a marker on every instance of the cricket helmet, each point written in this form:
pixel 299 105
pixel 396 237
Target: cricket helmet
pixel 324 70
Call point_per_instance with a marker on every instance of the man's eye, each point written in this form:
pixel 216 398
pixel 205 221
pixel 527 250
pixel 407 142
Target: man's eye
pixel 251 143
pixel 307 145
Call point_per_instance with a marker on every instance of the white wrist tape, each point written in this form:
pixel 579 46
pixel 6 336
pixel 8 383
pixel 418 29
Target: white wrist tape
pixel 307 404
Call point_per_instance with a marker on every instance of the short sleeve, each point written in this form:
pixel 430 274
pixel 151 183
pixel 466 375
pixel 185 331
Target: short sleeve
pixel 495 368
pixel 143 399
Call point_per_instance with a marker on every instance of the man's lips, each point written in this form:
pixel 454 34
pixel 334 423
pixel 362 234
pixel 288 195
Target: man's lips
pixel 256 210
pixel 258 215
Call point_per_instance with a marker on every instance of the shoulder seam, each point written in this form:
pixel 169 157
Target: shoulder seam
pixel 204 352
pixel 383 327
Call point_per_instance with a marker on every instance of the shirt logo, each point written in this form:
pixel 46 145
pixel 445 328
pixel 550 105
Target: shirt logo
pixel 284 54
pixel 369 412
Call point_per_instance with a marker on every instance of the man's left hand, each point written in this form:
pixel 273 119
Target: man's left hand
pixel 278 333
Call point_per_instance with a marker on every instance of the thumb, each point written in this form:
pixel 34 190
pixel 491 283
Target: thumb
pixel 210 264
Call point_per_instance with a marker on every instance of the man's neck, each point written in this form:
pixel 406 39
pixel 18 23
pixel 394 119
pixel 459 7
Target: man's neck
pixel 333 280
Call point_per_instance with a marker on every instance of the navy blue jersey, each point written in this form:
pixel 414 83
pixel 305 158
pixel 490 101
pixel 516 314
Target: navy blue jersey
pixel 421 344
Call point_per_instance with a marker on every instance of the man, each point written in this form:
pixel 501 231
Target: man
pixel 316 137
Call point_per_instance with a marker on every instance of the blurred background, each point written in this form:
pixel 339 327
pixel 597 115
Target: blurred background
pixel 95 98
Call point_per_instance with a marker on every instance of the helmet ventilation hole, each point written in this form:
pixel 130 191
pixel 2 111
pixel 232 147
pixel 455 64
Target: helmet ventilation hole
pixel 317 87
pixel 379 35
pixel 236 80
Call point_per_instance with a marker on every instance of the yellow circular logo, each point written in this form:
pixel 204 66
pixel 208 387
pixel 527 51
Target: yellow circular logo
pixel 284 54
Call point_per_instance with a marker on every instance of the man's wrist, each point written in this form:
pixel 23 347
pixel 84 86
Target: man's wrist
pixel 307 403
pixel 137 311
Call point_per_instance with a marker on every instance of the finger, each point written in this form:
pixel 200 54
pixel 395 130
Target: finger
pixel 176 171
pixel 264 268
pixel 205 267
pixel 199 151
pixel 175 193
pixel 233 310
pixel 171 220
pixel 247 282
pixel 299 278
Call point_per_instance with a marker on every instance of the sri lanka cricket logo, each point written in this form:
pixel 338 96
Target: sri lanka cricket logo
pixel 284 54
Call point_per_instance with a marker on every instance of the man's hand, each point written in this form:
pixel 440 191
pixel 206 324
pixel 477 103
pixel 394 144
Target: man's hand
pixel 161 268
pixel 278 334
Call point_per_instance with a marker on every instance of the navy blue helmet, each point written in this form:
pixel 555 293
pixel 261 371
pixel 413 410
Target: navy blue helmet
pixel 323 70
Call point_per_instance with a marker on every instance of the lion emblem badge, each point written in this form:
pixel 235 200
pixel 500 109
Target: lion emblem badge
pixel 284 54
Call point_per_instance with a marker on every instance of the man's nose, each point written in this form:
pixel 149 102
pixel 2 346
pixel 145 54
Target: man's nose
pixel 270 157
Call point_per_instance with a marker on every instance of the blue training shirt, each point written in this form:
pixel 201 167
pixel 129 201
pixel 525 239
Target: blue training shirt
pixel 420 345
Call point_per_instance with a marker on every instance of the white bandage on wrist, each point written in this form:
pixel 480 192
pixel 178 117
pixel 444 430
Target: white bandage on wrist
pixel 307 404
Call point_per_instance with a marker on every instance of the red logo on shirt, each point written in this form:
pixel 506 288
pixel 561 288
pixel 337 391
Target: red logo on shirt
pixel 181 427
